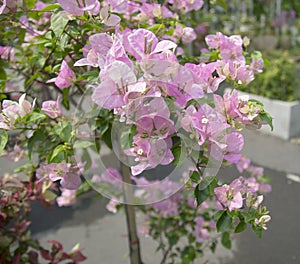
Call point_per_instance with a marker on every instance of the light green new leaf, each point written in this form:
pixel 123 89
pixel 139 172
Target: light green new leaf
pixel 83 144
pixel 267 118
pixel 29 3
pixel 3 140
pixel 126 138
pixel 64 130
pixel 36 118
pixel 58 23
pixel 50 7
pixel 58 149
pixel 49 195
pixel 179 154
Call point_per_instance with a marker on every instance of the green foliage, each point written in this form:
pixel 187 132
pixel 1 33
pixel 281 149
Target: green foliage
pixel 30 3
pixel 279 79
pixel 126 138
pixel 225 240
pixel 83 144
pixel 224 223
pixel 240 227
pixel 201 195
pixel 58 23
pixel 3 140
pixel 179 153
pixel 195 177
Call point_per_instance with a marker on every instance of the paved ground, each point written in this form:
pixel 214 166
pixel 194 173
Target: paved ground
pixel 103 235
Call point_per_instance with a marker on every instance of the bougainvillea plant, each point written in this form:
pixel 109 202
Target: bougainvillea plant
pixel 80 77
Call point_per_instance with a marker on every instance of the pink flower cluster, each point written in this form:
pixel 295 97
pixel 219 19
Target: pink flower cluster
pixel 134 88
pixel 12 111
pixel 138 72
pixel 231 63
pixel 239 111
pixel 52 108
pixel 65 77
pixel 136 10
pixel 243 191
pixel 68 175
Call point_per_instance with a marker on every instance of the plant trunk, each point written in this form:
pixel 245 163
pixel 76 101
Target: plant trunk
pixel 133 240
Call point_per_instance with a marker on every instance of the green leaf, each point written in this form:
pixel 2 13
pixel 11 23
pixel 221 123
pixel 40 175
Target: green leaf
pixel 257 230
pixel 64 41
pixel 107 138
pixel 213 246
pixel 58 23
pixel 83 188
pixel 49 195
pixel 214 184
pixel 89 75
pixel 26 168
pixel 256 55
pixel 240 227
pixel 226 241
pixel 201 195
pixel 267 118
pixel 256 102
pixel 217 215
pixel 3 140
pixel 224 222
pixel 126 138
pixel 179 154
pixel 103 128
pixel 5 241
pixel 36 118
pixel 64 131
pixel 30 3
pixel 3 75
pixel 222 4
pixel 50 7
pixel 195 177
pixel 156 28
pixel 188 254
pixel 248 216
pixel 58 149
pixel 172 238
pixel 65 99
pixel 206 181
pixel 32 78
pixel 83 144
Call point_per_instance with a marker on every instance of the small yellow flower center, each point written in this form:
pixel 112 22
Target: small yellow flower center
pixel 140 152
pixel 204 120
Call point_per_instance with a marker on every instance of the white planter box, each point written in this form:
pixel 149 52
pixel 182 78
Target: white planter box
pixel 286 116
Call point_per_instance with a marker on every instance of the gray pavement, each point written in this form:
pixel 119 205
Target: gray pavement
pixel 103 238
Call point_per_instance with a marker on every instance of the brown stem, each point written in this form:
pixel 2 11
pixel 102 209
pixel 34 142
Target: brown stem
pixel 165 255
pixel 133 239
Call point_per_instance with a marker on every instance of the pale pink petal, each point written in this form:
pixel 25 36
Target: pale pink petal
pixel 3 6
pixel 164 45
pixel 112 20
pixel 142 42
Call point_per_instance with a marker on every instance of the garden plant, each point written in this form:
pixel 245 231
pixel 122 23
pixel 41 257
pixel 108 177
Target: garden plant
pixel 81 77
